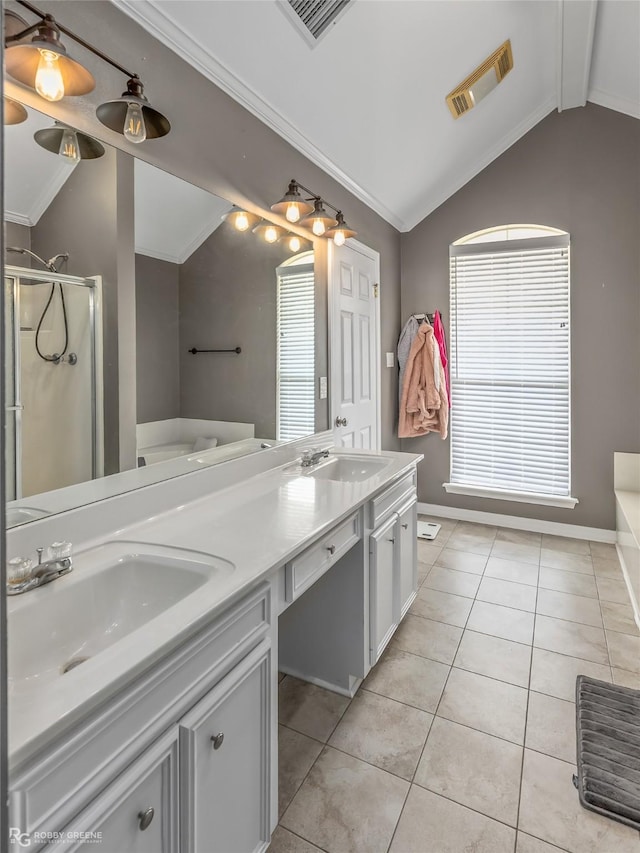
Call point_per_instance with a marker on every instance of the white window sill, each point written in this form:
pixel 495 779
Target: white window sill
pixel 519 497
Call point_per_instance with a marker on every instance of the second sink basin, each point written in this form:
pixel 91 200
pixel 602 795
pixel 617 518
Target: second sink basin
pixel 113 590
pixel 349 469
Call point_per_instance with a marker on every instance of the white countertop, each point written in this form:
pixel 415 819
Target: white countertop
pixel 258 525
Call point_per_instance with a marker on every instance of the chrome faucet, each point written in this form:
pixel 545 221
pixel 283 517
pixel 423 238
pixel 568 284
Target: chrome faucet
pixel 22 575
pixel 312 457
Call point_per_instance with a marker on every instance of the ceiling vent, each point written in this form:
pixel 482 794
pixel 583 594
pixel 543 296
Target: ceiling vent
pixel 482 81
pixel 313 18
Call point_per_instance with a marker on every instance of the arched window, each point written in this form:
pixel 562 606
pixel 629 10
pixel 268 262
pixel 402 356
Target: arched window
pixel 295 394
pixel 510 365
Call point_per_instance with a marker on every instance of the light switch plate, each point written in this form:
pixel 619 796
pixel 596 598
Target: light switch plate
pixel 323 387
pixel 390 359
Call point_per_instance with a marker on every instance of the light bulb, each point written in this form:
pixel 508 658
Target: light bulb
pixel 293 212
pixel 69 146
pixel 339 238
pixel 294 243
pixel 134 127
pixel 270 234
pixel 318 227
pixel 49 82
pixel 241 221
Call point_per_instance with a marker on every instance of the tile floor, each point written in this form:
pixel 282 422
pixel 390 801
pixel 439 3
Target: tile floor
pixel 462 738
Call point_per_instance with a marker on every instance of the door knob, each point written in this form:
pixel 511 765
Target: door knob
pixel 341 421
pixel 217 740
pixel 145 818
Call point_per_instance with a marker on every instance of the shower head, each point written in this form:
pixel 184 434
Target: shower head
pixel 50 264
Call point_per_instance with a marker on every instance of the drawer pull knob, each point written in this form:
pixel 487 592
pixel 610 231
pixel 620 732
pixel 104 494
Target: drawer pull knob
pixel 393 539
pixel 405 526
pixel 217 740
pixel 331 549
pixel 145 818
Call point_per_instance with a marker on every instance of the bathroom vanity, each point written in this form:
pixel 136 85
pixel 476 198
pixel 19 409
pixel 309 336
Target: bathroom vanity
pixel 143 685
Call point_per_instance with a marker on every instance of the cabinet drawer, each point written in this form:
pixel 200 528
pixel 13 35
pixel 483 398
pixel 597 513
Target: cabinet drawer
pixel 386 502
pixel 48 792
pixel 303 570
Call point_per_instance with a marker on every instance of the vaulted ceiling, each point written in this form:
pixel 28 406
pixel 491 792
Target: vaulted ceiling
pixel 367 101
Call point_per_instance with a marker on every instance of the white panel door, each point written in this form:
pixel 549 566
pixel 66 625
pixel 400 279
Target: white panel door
pixel 354 346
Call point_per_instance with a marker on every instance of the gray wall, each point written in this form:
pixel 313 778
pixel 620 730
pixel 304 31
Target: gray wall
pixel 157 339
pixel 18 236
pixel 578 171
pixel 91 219
pixel 217 144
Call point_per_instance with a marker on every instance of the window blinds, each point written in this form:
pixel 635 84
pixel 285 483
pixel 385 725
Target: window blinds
pixel 295 352
pixel 510 368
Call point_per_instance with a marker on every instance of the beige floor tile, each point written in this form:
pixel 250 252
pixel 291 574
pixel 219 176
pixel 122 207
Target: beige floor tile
pixel 485 704
pixel 383 732
pixel 308 709
pixel 512 570
pixel 612 590
pixel 442 606
pixel 571 638
pixel 551 726
pixel 580 563
pixel 517 595
pixel 472 528
pixel 296 754
pixel 494 657
pixel 626 678
pixel 433 824
pixel 516 551
pixel 519 537
pixel 420 636
pixel 619 617
pixel 283 841
pixel 505 622
pixel 461 541
pixel 555 674
pixel 571 582
pixel 423 571
pixel 605 568
pixel 428 552
pixel 462 561
pixel 528 844
pixel 473 768
pixel 566 544
pixel 346 806
pixel 573 608
pixel 605 550
pixel 408 678
pixel 624 651
pixel 450 580
pixel 550 808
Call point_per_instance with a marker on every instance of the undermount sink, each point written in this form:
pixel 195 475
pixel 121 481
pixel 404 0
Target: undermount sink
pixel 113 590
pixel 349 469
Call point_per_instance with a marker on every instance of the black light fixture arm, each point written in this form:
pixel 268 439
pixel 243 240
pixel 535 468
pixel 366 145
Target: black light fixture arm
pixel 314 196
pixel 49 18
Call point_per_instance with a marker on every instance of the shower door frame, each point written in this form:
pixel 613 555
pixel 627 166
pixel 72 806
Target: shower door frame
pixel 94 284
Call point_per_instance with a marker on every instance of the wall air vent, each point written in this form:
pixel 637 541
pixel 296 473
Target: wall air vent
pixel 482 81
pixel 313 18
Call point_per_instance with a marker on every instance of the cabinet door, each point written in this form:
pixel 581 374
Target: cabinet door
pixel 382 607
pixel 137 813
pixel 407 576
pixel 225 762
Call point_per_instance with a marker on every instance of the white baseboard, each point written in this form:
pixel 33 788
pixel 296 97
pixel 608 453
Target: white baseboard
pixel 635 605
pixel 536 525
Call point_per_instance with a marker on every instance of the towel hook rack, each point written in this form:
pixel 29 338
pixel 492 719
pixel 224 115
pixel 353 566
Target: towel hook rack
pixel 195 351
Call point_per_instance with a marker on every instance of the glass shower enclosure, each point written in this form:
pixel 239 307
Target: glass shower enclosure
pixel 53 381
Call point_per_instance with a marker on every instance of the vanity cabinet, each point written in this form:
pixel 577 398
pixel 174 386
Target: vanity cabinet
pixel 382 581
pixel 406 532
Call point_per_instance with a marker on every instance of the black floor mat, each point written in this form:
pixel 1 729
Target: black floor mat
pixel 608 740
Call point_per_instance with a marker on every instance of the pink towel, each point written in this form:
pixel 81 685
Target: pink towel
pixel 424 406
pixel 438 331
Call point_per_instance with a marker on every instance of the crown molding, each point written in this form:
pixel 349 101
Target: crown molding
pixel 628 106
pixel 481 163
pixel 17 218
pixel 157 22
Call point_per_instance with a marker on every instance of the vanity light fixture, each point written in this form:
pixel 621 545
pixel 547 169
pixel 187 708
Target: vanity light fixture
pixel 68 143
pixel 44 65
pixel 14 113
pixel 322 223
pixel 241 219
pixel 268 231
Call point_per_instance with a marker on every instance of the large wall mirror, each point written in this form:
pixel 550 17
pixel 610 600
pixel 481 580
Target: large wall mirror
pixel 114 272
